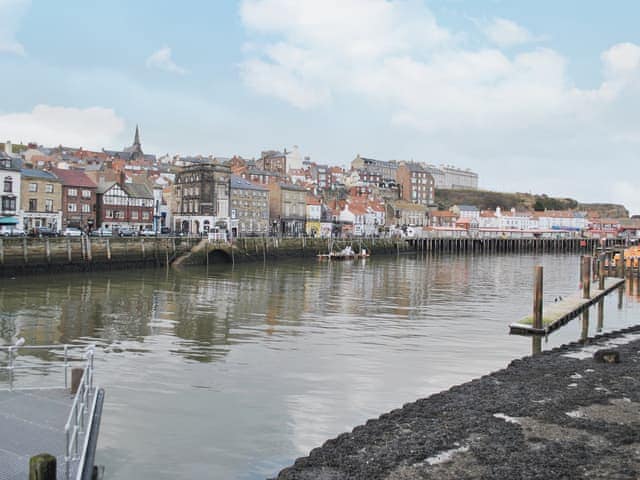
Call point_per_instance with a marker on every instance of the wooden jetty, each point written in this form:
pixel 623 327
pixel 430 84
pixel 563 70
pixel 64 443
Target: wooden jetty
pixel 542 322
pixel 61 418
pixel 561 312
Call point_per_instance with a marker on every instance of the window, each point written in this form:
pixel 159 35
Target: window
pixel 72 207
pixel 134 215
pixel 8 184
pixel 86 193
pixel 48 205
pixel 48 188
pixel 86 208
pixel 108 214
pixel 33 187
pixel 145 215
pixel 33 205
pixel 72 192
pixel 8 203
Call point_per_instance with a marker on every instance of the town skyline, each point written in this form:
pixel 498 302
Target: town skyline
pixel 508 91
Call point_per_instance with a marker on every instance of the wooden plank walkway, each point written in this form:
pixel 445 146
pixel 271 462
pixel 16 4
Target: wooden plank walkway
pixel 559 313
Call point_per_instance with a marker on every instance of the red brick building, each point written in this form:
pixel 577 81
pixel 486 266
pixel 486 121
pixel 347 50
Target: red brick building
pixel 78 199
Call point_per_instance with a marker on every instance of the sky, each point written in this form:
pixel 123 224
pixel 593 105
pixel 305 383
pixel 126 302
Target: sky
pixel 538 97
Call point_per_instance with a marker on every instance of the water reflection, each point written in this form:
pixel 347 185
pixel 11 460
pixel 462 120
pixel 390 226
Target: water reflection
pixel 239 370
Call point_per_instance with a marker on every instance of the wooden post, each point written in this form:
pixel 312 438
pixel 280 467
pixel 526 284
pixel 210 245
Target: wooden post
pixel 142 248
pixel 585 325
pixel 109 249
pixel 24 251
pixel 620 265
pixel 586 277
pixel 1 252
pixel 600 315
pixel 601 274
pixel 620 296
pixel 42 467
pixel 536 344
pixel 537 297
pixel 76 377
pixel 68 249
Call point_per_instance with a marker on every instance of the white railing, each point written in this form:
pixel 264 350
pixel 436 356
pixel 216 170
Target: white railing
pixel 69 354
pixel 79 419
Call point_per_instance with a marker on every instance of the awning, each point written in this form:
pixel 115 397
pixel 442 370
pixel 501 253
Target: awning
pixel 8 221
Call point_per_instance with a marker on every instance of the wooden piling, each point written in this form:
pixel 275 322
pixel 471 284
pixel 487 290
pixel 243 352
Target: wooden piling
pixel 620 296
pixel 109 249
pixel 25 256
pixel 537 297
pixel 69 250
pixel 584 334
pixel 586 277
pixel 42 467
pixel 601 272
pixel 600 315
pixel 1 252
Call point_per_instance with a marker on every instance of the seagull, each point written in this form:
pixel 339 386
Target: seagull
pixel 19 342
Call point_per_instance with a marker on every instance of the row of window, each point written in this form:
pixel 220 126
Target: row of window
pixel 121 214
pixel 126 201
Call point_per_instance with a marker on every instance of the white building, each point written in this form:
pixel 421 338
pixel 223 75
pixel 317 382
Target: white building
pixel 10 179
pixel 457 178
pixel 294 159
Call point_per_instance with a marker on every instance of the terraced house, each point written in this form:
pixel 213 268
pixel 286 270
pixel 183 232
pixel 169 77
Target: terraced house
pixel 127 205
pixel 41 200
pixel 78 198
pixel 249 210
pixel 202 198
pixel 9 191
pixel 287 209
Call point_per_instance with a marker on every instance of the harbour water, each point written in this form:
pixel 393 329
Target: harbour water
pixel 232 373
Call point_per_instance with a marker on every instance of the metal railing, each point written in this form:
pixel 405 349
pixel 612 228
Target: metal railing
pixel 69 354
pixel 80 416
pixel 79 419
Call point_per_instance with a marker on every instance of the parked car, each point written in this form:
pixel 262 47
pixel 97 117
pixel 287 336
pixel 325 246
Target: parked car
pixel 126 232
pixel 72 232
pixel 165 231
pixel 12 231
pixel 147 233
pixel 43 232
pixel 101 232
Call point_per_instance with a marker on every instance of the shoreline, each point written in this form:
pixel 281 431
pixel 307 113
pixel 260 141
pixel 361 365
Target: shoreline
pixel 559 414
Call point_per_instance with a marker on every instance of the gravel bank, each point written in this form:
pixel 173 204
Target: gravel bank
pixel 559 415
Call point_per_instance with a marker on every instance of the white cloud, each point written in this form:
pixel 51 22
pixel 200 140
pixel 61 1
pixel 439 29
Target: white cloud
pixel 11 12
pixel 162 60
pixel 91 127
pixel 507 33
pixel 516 117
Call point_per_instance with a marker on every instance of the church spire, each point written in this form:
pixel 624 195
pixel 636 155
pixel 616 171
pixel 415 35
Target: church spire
pixel 136 138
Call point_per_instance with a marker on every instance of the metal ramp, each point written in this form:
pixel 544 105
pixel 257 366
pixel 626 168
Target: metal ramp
pixel 36 417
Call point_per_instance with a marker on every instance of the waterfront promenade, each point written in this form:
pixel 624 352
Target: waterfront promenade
pixel 560 414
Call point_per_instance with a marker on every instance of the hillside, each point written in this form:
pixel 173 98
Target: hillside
pixel 485 199
pixel 609 210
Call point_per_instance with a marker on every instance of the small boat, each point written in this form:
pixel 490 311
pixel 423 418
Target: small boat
pixel 346 253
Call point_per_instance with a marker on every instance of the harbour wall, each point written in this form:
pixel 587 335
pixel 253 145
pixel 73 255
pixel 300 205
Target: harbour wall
pixel 32 255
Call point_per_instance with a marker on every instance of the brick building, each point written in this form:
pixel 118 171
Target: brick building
pixel 78 199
